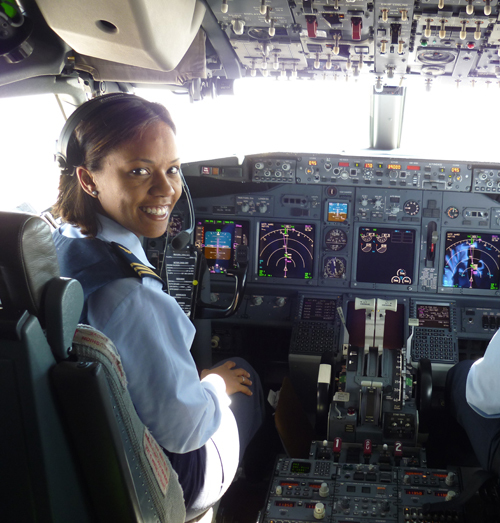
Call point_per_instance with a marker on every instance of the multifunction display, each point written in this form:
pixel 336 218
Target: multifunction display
pixel 472 260
pixel 386 255
pixel 286 250
pixel 218 239
pixel 433 316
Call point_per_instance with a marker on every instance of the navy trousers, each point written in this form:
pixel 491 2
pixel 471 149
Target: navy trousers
pixel 483 433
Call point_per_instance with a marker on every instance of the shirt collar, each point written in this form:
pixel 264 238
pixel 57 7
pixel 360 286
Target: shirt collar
pixel 111 231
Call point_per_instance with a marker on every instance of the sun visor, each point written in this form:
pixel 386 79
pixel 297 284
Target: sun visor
pixel 192 65
pixel 151 34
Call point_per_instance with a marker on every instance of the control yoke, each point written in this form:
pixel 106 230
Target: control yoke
pixel 209 311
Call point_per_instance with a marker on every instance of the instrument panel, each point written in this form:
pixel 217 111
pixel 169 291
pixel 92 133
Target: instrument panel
pixel 397 225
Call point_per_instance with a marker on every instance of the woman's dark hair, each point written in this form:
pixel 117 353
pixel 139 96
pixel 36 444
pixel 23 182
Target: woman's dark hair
pixel 108 127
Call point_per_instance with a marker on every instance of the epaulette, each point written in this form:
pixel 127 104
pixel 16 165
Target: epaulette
pixel 143 271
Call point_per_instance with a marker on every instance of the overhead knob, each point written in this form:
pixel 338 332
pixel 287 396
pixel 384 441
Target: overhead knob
pixel 279 490
pixel 317 63
pixel 238 26
pixel 441 4
pixel 401 47
pixel 263 7
pixel 263 206
pixel 364 202
pixel 345 503
pixel 404 15
pixel 276 62
pixel 245 207
pixel 280 302
pixel 385 15
pixel 328 64
pixel 470 8
pixel 487 7
pixel 224 7
pixel 383 46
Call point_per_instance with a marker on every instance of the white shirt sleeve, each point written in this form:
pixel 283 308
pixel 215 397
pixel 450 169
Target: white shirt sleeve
pixel 153 337
pixel 483 381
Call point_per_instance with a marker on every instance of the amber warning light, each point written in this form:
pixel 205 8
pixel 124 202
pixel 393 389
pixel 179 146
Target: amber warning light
pixel 368 165
pixel 413 168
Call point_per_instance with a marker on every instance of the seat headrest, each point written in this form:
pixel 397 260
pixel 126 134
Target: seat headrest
pixel 28 261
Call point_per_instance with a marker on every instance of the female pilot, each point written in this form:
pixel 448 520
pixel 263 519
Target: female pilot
pixel 121 179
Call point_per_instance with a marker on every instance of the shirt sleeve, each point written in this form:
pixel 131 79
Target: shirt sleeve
pixel 153 336
pixel 483 383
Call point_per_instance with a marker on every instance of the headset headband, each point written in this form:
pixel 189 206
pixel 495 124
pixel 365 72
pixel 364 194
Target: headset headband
pixel 81 113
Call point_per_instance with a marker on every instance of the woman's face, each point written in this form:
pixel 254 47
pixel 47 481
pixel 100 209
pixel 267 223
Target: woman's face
pixel 140 183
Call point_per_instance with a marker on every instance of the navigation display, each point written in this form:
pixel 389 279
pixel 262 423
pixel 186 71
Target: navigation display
pixel 286 250
pixel 386 255
pixel 433 316
pixel 472 260
pixel 218 239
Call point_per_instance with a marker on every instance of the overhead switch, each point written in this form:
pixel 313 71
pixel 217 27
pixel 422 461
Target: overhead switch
pixel 312 26
pixel 356 24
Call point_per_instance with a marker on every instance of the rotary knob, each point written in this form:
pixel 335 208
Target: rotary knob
pixel 319 511
pixel 245 207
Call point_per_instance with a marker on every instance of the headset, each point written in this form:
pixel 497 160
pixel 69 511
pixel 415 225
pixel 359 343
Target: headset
pixel 68 155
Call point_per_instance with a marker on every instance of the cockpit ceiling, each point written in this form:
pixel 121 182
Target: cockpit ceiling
pixel 455 40
pixel 389 42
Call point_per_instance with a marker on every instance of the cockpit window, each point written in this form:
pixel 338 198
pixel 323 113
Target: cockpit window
pixel 28 175
pixel 263 115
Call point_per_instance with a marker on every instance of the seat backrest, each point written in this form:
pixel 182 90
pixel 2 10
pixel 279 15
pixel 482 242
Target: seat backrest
pixel 109 468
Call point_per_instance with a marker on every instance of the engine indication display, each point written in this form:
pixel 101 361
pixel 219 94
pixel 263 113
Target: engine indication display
pixel 385 255
pixel 472 260
pixel 286 250
pixel 335 239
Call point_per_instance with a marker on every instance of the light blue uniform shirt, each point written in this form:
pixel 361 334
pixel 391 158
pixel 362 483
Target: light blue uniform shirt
pixel 153 336
pixel 483 381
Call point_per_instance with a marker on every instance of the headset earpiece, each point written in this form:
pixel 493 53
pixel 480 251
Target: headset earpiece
pixel 68 154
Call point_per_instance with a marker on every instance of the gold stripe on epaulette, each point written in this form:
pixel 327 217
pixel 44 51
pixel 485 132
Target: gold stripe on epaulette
pixel 123 248
pixel 143 269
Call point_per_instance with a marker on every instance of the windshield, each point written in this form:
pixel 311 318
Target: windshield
pixel 263 115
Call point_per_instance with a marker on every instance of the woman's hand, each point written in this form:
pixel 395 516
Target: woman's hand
pixel 237 380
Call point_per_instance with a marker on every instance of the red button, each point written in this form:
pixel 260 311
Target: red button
pixel 337 445
pixel 367 447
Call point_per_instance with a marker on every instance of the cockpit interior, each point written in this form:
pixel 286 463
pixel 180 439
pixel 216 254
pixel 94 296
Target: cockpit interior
pixel 352 277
